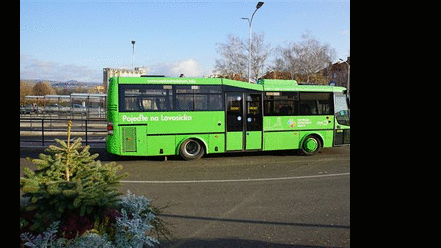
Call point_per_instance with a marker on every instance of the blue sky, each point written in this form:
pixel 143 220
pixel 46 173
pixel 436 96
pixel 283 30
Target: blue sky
pixel 74 40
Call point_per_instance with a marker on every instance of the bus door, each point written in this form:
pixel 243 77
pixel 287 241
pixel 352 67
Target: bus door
pixel 244 121
pixel 342 120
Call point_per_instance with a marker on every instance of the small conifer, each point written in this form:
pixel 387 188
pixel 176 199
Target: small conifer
pixel 69 179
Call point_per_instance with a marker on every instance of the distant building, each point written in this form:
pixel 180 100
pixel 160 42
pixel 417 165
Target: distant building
pixel 337 73
pixel 111 72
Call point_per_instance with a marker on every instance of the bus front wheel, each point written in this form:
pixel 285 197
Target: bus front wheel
pixel 191 149
pixel 311 145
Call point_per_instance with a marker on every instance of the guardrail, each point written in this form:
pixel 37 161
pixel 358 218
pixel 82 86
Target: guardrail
pixel 43 131
pixel 64 112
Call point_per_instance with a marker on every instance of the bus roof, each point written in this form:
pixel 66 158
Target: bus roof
pixel 292 85
pixel 168 80
pixel 263 84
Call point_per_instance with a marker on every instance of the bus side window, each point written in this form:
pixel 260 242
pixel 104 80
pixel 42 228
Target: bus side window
pixel 131 104
pixel 282 104
pixel 316 103
pixel 184 97
pixel 137 98
pixel 199 97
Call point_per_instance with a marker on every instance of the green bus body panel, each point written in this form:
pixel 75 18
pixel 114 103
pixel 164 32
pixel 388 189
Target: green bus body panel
pixel 288 132
pixel 253 140
pixel 235 141
pixel 280 140
pixel 291 85
pixel 161 145
pixel 243 85
pixel 286 123
pixel 164 80
pixel 176 122
pixel 162 133
pixel 216 141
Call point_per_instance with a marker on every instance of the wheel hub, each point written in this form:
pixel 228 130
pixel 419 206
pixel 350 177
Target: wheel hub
pixel 311 145
pixel 192 148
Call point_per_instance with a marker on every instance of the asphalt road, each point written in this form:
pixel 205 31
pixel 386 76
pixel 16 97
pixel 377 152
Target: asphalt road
pixel 271 199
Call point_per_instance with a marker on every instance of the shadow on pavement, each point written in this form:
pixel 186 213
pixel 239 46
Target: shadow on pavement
pixel 255 221
pixel 105 156
pixel 231 242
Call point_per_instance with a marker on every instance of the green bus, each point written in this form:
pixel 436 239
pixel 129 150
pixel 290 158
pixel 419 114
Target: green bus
pixel 190 117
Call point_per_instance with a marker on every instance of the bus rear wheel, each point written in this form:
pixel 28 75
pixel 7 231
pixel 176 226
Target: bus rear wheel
pixel 311 145
pixel 191 149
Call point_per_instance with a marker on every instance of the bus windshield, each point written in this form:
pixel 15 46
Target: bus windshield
pixel 341 109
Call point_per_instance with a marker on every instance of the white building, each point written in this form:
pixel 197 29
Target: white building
pixel 111 72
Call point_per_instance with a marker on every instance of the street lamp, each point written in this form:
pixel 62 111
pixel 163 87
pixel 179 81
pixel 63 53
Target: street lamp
pixel 259 4
pixel 349 69
pixel 133 55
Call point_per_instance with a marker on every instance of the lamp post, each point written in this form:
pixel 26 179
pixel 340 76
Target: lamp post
pixel 349 69
pixel 133 54
pixel 259 4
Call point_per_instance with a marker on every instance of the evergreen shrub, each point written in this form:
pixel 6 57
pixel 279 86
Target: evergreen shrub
pixel 72 200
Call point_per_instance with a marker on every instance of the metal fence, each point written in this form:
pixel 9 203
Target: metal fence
pixel 37 131
pixel 73 106
pixel 44 118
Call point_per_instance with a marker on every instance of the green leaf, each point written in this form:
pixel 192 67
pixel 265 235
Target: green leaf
pixel 77 202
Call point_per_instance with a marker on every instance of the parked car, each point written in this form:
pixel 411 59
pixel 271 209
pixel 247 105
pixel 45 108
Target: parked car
pixel 28 109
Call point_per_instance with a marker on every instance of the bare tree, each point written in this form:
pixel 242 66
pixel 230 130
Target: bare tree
pixel 304 58
pixel 233 58
pixel 291 61
pixel 259 55
pixel 308 56
pixel 279 65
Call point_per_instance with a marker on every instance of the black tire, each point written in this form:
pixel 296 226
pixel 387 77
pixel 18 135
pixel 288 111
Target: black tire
pixel 311 145
pixel 191 149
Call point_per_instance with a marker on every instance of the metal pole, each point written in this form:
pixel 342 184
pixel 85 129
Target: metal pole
pixel 349 70
pixel 42 132
pixel 250 22
pixel 133 55
pixel 86 132
pixel 249 57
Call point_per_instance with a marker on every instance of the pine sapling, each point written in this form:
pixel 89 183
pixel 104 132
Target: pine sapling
pixel 69 179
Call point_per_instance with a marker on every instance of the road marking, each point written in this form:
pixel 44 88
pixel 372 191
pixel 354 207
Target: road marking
pixel 248 163
pixel 239 180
